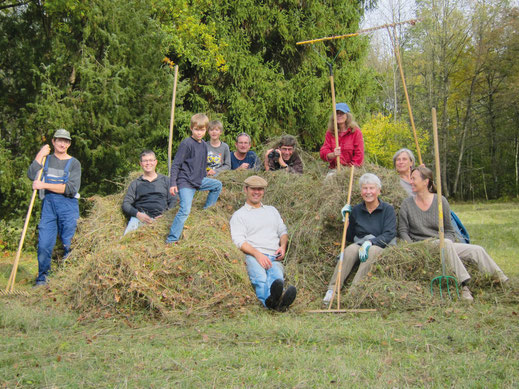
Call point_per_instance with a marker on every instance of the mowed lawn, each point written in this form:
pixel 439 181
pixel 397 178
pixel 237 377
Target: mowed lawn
pixel 457 345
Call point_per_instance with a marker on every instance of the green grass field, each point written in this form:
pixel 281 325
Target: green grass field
pixel 456 345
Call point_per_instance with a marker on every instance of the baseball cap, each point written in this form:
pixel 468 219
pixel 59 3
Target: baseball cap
pixel 61 133
pixel 343 107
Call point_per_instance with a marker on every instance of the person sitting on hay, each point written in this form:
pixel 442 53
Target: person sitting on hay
pixel 148 196
pixel 372 227
pixel 418 220
pixel 259 231
pixel 284 157
pixel 59 189
pixel 403 162
pixel 243 158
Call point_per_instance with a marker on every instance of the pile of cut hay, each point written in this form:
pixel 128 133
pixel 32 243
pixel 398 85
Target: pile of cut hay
pixel 204 274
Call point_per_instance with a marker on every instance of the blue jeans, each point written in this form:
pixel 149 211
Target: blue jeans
pixel 186 199
pixel 59 216
pixel 133 224
pixel 260 278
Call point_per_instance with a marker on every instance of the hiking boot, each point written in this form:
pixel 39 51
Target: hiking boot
pixel 466 295
pixel 288 298
pixel 328 297
pixel 276 290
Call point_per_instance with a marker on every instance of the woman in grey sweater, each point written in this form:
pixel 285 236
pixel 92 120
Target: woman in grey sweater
pixel 418 220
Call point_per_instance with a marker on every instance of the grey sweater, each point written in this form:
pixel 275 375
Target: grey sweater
pixel 218 158
pixel 416 225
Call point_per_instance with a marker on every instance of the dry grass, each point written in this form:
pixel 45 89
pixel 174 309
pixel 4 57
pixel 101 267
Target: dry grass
pixel 205 275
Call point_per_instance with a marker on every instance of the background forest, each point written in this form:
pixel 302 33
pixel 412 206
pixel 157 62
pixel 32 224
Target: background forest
pixel 104 70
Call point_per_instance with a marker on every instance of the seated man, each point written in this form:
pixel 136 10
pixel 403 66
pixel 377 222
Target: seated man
pixel 148 196
pixel 284 156
pixel 243 158
pixel 260 233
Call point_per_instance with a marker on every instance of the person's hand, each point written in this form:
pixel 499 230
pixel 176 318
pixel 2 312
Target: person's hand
pixel 346 209
pixel 243 166
pixel 44 151
pixel 211 172
pixel 280 254
pixel 364 250
pixel 337 152
pixel 36 185
pixel 267 153
pixel 281 161
pixel 144 218
pixel 173 190
pixel 264 261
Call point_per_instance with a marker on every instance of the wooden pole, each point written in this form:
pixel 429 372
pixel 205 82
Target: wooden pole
pixel 336 131
pixel 441 231
pixel 338 284
pixel 394 41
pixel 12 277
pixel 172 120
pixel 333 37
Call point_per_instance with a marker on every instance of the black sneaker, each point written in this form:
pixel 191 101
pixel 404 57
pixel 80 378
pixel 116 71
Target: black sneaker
pixel 276 290
pixel 288 298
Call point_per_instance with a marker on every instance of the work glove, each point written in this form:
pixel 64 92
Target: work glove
pixel 346 209
pixel 363 251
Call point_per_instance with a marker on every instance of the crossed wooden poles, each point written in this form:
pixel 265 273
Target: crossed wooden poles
pixel 394 41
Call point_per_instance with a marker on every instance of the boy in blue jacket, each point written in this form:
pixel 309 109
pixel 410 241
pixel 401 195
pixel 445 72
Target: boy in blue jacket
pixel 188 174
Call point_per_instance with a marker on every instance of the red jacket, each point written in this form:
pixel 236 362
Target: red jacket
pixel 351 144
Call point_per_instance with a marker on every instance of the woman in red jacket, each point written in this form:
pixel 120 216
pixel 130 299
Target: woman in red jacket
pixel 351 143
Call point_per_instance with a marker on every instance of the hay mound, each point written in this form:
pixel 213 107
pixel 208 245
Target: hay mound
pixel 205 274
pixel 107 272
pixel 401 280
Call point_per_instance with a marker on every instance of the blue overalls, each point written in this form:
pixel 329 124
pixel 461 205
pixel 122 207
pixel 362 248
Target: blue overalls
pixel 59 215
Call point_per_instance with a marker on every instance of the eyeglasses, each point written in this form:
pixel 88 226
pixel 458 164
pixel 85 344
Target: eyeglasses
pixel 148 160
pixel 286 148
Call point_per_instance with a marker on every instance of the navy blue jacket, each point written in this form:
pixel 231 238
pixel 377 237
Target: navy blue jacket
pixel 381 223
pixel 189 166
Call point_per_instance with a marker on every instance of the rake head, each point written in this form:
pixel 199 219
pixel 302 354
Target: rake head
pixel 449 281
pixel 13 293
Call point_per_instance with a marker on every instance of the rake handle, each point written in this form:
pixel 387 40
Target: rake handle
pixel 335 128
pixel 337 287
pixel 12 277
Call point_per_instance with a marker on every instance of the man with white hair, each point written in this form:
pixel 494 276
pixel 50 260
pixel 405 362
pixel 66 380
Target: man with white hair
pixel 259 232
pixel 372 227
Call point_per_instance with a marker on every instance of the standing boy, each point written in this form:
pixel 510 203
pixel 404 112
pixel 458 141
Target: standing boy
pixel 59 187
pixel 188 174
pixel 218 153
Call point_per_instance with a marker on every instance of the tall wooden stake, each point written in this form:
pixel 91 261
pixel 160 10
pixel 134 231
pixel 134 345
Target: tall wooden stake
pixel 170 143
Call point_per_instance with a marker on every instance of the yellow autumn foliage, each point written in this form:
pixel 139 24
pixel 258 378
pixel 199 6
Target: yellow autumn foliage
pixel 383 136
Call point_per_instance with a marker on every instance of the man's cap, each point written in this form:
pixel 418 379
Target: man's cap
pixel 343 107
pixel 62 133
pixel 255 182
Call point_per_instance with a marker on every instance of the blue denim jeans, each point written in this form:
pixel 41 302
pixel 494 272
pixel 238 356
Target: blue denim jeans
pixel 260 278
pixel 59 216
pixel 133 224
pixel 186 199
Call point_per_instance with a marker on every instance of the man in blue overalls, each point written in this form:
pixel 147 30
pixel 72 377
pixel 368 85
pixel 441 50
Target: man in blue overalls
pixel 59 187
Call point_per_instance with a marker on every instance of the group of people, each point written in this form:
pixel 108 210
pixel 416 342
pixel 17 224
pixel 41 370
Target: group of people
pixel 256 229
